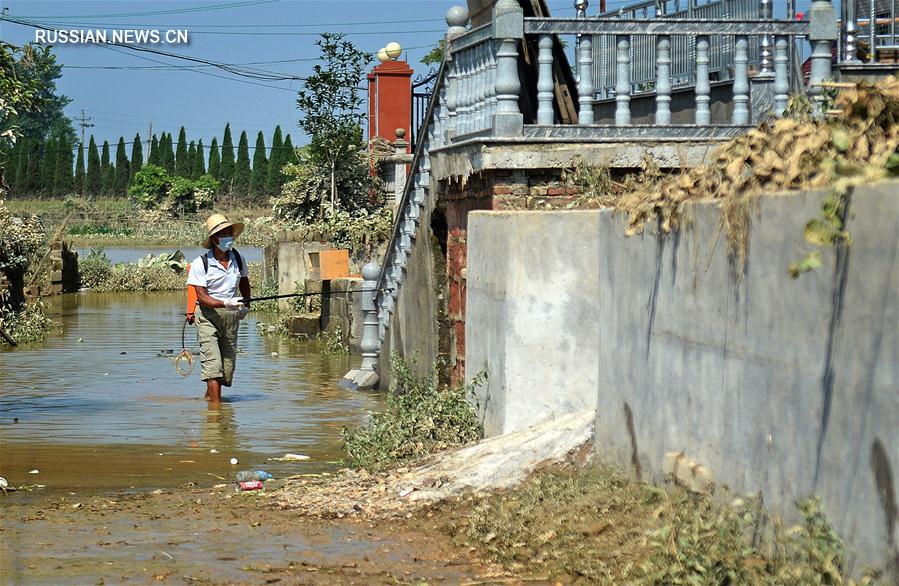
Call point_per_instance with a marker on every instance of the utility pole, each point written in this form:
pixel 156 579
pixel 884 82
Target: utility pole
pixel 149 140
pixel 83 123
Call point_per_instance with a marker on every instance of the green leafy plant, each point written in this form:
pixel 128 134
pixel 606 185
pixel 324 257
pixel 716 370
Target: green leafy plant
pixel 332 342
pixel 94 268
pixel 28 324
pixel 421 418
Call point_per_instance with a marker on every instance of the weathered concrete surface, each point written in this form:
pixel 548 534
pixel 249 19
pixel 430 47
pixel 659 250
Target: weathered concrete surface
pixel 532 315
pixel 413 325
pixel 342 310
pixel 294 265
pixel 774 384
pixel 783 386
pixel 478 155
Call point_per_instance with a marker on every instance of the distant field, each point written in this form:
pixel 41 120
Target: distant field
pixel 114 222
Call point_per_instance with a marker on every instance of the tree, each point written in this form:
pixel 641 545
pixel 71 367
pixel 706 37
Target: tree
pixel 17 96
pixel 10 164
pixel 107 171
pixel 260 167
pixel 191 155
pixel 290 155
pixel 92 178
pixel 199 168
pixel 36 68
pixel 227 159
pixel 241 179
pixel 153 157
pixel 330 106
pixel 33 173
pixel 276 161
pixel 182 166
pixel 78 185
pixel 62 177
pixel 48 166
pixel 122 169
pixel 21 178
pixel 168 154
pixel 215 160
pixel 137 156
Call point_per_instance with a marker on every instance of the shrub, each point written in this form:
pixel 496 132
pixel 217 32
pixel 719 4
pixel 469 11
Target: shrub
pixel 420 419
pixel 149 187
pixel 20 238
pixel 29 324
pixel 94 268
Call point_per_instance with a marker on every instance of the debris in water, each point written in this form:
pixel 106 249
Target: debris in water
pixel 290 458
pixel 122 353
pixel 81 340
pixel 213 451
pixel 3 483
pixel 35 471
pixel 234 461
pixel 250 485
pixel 274 353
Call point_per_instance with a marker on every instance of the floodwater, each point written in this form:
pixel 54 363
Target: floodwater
pixel 127 254
pixel 101 408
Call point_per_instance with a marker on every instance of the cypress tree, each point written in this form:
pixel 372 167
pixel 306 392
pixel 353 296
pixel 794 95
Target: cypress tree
pixel 79 171
pixel 33 174
pixel 215 159
pixel 168 154
pixel 241 181
pixel 22 166
pixel 107 171
pixel 199 167
pixel 122 169
pixel 62 177
pixel 137 157
pixel 92 177
pixel 48 166
pixel 290 156
pixel 227 160
pixel 182 166
pixel 153 157
pixel 260 168
pixel 11 165
pixel 275 162
pixel 189 162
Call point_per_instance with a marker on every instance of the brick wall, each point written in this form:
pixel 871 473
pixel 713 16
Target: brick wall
pixel 488 190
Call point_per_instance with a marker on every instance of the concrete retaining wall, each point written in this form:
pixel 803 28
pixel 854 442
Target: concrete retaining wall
pixel 773 384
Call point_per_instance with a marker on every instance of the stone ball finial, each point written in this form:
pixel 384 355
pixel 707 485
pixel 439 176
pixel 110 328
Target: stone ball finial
pixel 371 271
pixel 581 4
pixel 382 55
pixel 457 16
pixel 393 50
pixel 400 133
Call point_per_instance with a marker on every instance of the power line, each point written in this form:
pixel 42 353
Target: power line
pixel 211 8
pixel 250 73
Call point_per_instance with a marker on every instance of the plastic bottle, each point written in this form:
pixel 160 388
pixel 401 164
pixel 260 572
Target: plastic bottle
pixel 247 475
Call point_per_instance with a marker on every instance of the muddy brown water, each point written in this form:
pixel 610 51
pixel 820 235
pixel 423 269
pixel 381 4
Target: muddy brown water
pixel 102 407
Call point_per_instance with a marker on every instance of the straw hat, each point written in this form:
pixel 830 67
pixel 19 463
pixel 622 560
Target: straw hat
pixel 216 223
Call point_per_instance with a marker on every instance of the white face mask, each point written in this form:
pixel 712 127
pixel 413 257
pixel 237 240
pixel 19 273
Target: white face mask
pixel 225 243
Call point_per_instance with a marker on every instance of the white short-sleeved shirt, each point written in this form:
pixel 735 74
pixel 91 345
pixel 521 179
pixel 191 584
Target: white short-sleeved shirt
pixel 220 283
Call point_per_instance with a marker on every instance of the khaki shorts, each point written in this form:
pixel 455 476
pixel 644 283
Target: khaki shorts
pixel 218 343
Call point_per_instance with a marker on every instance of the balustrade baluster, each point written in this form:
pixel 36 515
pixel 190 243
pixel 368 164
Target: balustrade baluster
pixel 545 81
pixel 765 12
pixel 703 87
pixel 623 83
pixel 508 26
pixel 823 33
pixel 663 79
pixel 491 83
pixel 741 80
pixel 585 87
pixel 781 74
pixel 482 86
pixel 456 18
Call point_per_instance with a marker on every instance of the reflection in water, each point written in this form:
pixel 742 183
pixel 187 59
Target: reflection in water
pixel 107 386
pixel 219 429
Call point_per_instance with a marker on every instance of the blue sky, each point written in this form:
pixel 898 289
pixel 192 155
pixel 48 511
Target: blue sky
pixel 125 101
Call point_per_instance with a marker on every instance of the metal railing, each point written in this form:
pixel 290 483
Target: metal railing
pixel 683 48
pixel 869 26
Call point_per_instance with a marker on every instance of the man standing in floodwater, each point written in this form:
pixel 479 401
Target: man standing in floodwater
pixel 217 277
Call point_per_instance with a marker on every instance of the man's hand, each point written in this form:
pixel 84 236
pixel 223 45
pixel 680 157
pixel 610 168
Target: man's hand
pixel 243 311
pixel 233 303
pixel 190 318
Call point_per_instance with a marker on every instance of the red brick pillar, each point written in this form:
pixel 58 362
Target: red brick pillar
pixel 389 100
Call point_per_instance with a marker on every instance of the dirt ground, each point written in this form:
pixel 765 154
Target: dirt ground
pixel 219 536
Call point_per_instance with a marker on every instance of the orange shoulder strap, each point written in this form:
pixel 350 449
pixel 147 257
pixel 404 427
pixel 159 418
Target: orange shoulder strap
pixel 191 299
